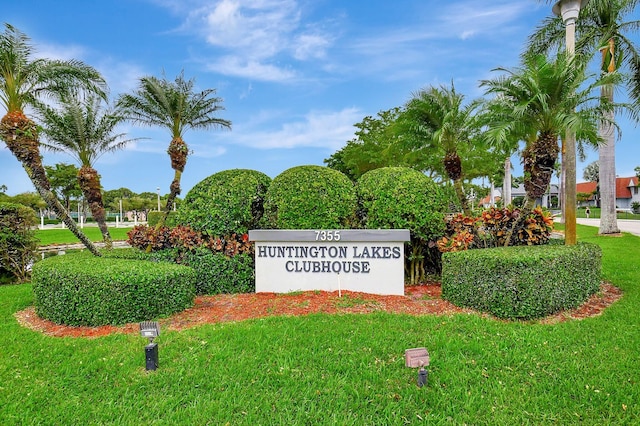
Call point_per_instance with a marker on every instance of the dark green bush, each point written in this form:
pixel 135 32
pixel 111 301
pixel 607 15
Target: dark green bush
pixel 80 289
pixel 403 198
pixel 310 197
pixel 218 273
pixel 227 202
pixel 526 282
pixel 18 242
pixel 154 217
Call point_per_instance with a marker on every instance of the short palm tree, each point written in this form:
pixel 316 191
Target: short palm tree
pixel 439 117
pixel 85 130
pixel 537 103
pixel 25 81
pixel 603 26
pixel 175 106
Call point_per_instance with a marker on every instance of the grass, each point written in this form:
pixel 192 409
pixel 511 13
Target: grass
pixel 338 369
pixel 64 236
pixel 595 214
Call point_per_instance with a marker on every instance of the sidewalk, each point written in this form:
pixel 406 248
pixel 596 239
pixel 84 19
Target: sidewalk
pixel 625 225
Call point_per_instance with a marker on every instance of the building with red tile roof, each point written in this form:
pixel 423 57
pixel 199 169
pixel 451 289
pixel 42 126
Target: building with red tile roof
pixel 627 192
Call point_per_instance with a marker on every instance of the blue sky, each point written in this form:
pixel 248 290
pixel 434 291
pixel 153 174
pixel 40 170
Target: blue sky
pixel 295 75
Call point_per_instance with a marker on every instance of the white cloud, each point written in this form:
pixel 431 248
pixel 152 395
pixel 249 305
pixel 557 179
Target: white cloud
pixel 324 129
pixel 206 150
pixel 258 39
pixel 472 17
pixel 59 52
pixel 249 68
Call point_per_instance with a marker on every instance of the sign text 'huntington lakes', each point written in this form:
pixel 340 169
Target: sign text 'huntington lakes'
pixel 328 259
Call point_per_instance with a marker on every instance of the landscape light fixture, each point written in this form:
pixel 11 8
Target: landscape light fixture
pixel 418 357
pixel 150 330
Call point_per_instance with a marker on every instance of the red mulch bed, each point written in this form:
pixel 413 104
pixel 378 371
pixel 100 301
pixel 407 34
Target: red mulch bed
pixel 418 300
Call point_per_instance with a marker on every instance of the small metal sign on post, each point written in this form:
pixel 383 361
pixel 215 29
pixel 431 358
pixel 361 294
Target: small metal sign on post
pixel 418 357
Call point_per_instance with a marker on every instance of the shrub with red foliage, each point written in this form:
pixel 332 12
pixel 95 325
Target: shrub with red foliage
pixel 492 228
pixel 184 238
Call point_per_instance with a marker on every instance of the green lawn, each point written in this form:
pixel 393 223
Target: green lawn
pixel 64 236
pixel 338 369
pixel 595 214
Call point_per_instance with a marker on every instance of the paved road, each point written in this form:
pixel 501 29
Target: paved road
pixel 625 225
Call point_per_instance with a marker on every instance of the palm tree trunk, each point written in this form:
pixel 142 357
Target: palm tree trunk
pixel 89 182
pixel 506 186
pixel 462 197
pixel 21 136
pixel 539 159
pixel 178 151
pixel 607 171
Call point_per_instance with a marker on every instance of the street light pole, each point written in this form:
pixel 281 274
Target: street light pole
pixel 569 10
pixel 158 189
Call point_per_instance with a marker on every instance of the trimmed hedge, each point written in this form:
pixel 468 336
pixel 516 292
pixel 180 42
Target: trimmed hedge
pixel 310 197
pixel 230 201
pixel 80 289
pixel 522 282
pixel 216 273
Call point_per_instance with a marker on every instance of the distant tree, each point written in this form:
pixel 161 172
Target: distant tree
pixel 175 106
pixel 140 205
pixel 64 182
pixel 377 144
pixel 583 196
pixel 591 172
pixel 112 198
pixel 637 170
pixel 30 199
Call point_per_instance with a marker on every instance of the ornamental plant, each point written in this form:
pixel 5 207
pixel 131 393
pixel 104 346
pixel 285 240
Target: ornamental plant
pixel 310 197
pixel 78 289
pixel 18 242
pixel 183 239
pixel 403 198
pixel 492 228
pixel 226 202
pixel 522 283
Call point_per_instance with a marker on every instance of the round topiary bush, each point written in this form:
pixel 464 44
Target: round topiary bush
pixel 226 202
pixel 80 289
pixel 310 197
pixel 403 198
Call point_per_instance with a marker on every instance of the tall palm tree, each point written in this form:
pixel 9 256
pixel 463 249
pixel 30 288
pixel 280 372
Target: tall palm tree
pixel 602 26
pixel 177 107
pixel 439 117
pixel 85 130
pixel 537 103
pixel 25 81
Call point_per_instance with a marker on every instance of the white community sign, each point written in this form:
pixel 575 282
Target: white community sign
pixel 368 261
